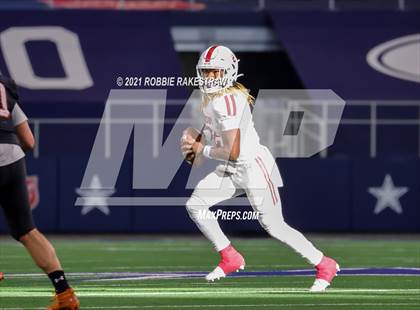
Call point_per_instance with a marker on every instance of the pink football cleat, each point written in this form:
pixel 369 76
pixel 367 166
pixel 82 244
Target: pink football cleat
pixel 1 276
pixel 326 270
pixel 230 261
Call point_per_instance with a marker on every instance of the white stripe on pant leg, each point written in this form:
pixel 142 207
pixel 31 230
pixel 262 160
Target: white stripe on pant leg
pixel 208 226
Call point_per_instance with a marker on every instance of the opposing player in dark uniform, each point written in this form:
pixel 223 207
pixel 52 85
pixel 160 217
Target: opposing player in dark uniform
pixel 15 137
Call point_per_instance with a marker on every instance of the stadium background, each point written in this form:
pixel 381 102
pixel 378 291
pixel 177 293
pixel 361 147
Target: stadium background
pixel 281 44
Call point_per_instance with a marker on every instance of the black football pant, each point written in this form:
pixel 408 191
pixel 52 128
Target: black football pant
pixel 14 199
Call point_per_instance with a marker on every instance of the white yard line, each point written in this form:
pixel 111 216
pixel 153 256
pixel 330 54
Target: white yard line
pixel 232 306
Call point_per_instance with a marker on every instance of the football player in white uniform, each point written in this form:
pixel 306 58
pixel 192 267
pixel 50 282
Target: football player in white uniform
pixel 247 166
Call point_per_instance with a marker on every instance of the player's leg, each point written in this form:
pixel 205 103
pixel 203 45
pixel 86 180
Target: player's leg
pixel 214 188
pixel 14 201
pixel 267 202
pixel 41 251
pixel 211 190
pixel 43 254
pixel 271 219
pixel 2 182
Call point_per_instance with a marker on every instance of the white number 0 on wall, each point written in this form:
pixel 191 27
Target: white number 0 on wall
pixel 13 41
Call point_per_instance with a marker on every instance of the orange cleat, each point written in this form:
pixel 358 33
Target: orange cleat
pixel 1 276
pixel 66 300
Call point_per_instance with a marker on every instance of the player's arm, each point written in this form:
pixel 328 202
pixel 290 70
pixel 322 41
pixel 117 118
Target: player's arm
pixel 22 129
pixel 228 111
pixel 189 136
pixel 229 151
pixel 25 136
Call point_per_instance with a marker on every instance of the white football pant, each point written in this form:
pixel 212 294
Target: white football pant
pixel 260 181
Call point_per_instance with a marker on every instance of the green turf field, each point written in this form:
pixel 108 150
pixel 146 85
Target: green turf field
pixel 101 270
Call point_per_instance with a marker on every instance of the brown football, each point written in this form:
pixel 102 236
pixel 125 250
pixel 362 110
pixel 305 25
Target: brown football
pixel 195 134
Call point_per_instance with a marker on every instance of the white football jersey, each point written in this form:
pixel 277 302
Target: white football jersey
pixel 231 111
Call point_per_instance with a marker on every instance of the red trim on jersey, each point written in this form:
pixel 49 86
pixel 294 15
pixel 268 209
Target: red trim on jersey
pixel 209 53
pixel 232 98
pixel 227 105
pixel 267 178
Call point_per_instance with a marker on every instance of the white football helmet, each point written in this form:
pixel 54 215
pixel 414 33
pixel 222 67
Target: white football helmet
pixel 217 57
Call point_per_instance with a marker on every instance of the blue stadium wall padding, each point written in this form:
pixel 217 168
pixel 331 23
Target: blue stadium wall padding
pixel 85 219
pixel 320 195
pixel 329 51
pixel 370 175
pixel 112 44
pixel 316 194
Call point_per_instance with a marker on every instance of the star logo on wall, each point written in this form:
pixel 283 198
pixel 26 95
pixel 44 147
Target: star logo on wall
pixel 388 196
pixel 95 197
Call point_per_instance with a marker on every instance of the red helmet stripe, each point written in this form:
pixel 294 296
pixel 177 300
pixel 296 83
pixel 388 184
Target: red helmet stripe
pixel 210 52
